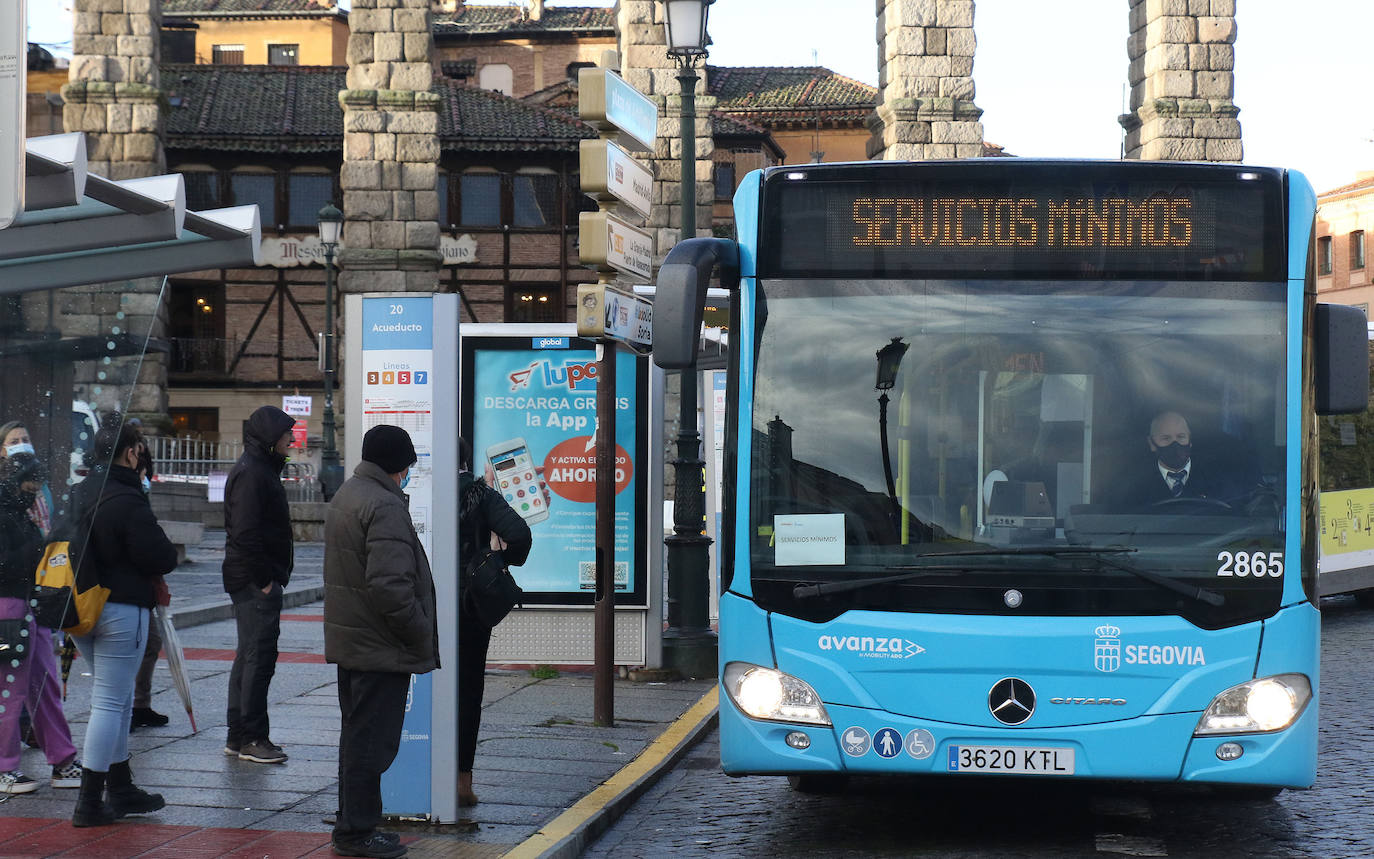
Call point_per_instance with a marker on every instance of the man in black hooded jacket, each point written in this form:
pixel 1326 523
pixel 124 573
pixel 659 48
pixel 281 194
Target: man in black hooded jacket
pixel 258 557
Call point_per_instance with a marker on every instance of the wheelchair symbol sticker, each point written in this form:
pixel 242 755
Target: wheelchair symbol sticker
pixel 920 743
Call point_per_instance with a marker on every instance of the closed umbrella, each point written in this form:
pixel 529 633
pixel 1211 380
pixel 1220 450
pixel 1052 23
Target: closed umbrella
pixel 68 655
pixel 176 660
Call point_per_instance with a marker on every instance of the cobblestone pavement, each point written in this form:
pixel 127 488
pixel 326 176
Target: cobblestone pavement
pixel 695 810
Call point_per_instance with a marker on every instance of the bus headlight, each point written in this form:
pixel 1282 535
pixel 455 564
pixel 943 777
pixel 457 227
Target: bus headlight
pixel 766 693
pixel 1259 706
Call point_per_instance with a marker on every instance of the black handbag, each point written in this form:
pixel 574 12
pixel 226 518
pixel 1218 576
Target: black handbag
pixel 52 609
pixel 489 589
pixel 14 642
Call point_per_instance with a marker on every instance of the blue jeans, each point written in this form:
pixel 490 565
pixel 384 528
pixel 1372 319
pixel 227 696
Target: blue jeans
pixel 114 650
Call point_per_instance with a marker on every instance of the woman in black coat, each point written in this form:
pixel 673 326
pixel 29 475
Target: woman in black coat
pixel 129 551
pixel 483 513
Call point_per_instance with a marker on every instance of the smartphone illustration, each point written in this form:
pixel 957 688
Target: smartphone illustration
pixel 516 480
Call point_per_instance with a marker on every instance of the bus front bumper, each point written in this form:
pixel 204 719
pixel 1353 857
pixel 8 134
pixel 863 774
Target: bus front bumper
pixel 1149 748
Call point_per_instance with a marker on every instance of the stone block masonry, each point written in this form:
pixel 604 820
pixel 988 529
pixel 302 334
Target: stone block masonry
pixel 1181 71
pixel 925 76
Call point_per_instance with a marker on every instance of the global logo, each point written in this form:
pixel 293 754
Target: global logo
pixel 1107 648
pixel 871 647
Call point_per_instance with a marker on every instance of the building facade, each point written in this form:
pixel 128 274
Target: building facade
pixel 1345 221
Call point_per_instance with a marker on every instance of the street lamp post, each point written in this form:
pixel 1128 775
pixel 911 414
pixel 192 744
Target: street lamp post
pixel 331 470
pixel 889 359
pixel 689 645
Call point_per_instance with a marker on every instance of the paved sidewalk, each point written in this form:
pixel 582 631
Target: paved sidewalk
pixel 539 754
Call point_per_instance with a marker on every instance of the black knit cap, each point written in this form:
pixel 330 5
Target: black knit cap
pixel 389 448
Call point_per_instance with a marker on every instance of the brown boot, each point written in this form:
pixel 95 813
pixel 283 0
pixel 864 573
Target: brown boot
pixel 465 795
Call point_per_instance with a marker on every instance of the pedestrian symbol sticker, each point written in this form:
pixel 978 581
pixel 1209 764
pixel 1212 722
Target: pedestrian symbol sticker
pixel 855 742
pixel 887 742
pixel 920 743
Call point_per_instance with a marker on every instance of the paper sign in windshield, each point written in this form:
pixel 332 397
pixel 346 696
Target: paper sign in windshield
pixel 808 540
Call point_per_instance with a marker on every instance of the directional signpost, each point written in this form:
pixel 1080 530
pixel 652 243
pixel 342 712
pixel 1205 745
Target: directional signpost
pixel 610 244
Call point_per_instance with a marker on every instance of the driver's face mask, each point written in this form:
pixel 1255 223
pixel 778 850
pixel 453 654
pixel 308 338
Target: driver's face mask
pixel 1175 455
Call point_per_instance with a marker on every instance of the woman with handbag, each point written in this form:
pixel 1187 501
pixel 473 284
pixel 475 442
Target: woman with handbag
pixel 129 550
pixel 482 515
pixel 24 522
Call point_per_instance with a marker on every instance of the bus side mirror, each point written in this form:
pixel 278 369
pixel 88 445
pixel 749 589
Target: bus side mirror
pixel 680 297
pixel 1341 359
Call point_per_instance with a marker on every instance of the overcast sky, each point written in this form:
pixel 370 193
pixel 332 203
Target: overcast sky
pixel 1054 87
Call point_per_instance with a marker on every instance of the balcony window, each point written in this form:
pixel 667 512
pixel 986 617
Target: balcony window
pixel 480 195
pixel 307 193
pixel 529 303
pixel 227 55
pixel 1324 255
pixel 1357 249
pixel 246 189
pixel 725 181
pixel 536 199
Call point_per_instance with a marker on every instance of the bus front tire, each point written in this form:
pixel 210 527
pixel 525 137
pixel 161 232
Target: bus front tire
pixel 818 783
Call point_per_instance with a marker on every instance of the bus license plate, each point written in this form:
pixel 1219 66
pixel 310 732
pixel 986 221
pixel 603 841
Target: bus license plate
pixel 1019 760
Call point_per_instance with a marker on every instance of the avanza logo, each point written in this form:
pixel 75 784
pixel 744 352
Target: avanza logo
pixel 871 647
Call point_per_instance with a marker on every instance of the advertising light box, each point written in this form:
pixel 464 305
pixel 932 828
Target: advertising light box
pixel 529 409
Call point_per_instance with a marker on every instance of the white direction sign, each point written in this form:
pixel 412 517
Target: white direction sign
pixel 13 79
pixel 608 243
pixel 606 312
pixel 607 103
pixel 608 172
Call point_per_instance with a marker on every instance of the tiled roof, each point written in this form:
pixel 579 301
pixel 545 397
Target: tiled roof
pixel 295 109
pixel 194 8
pixel 1359 185
pixel 724 125
pixel 784 93
pixel 511 20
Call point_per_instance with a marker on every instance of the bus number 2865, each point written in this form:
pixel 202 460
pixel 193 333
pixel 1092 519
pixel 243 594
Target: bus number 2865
pixel 1257 564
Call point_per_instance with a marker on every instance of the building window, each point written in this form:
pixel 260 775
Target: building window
pixel 1324 255
pixel 197 422
pixel 442 187
pixel 535 304
pixel 195 324
pixel 227 55
pixel 202 190
pixel 725 181
pixel 283 55
pixel 178 44
pixel 307 193
pixel 480 199
pixel 576 68
pixel 497 77
pixel 247 189
pixel 577 201
pixel 1357 249
pixel 535 196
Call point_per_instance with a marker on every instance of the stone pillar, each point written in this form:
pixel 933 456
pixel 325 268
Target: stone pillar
pixel 925 82
pixel 645 65
pixel 1182 82
pixel 113 95
pixel 391 151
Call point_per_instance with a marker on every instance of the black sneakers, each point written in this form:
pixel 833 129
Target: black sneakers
pixel 262 752
pixel 147 717
pixel 380 845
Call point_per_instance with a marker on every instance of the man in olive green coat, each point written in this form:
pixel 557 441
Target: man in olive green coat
pixel 379 629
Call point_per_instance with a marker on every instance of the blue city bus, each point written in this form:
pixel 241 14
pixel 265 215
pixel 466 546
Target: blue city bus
pixel 945 549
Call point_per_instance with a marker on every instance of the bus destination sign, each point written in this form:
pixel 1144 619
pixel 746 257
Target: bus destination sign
pixel 957 221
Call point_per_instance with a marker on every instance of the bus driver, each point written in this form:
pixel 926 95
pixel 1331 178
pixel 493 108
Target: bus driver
pixel 1172 471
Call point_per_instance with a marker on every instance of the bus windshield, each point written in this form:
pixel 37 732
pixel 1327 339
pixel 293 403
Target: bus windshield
pixel 897 423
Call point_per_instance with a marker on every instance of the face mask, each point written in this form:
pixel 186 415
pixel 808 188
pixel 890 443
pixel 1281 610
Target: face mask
pixel 405 481
pixel 1175 455
pixel 21 447
pixel 147 486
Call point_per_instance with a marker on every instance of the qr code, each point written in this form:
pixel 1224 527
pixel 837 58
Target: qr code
pixel 586 575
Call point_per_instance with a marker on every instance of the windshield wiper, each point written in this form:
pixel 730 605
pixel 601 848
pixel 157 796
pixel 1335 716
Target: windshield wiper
pixel 917 571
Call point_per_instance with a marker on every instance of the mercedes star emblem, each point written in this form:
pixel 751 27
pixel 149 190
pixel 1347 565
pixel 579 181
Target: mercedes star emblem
pixel 1011 700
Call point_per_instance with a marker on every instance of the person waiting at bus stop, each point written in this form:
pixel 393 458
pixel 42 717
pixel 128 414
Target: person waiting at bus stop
pixel 380 627
pixel 1173 472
